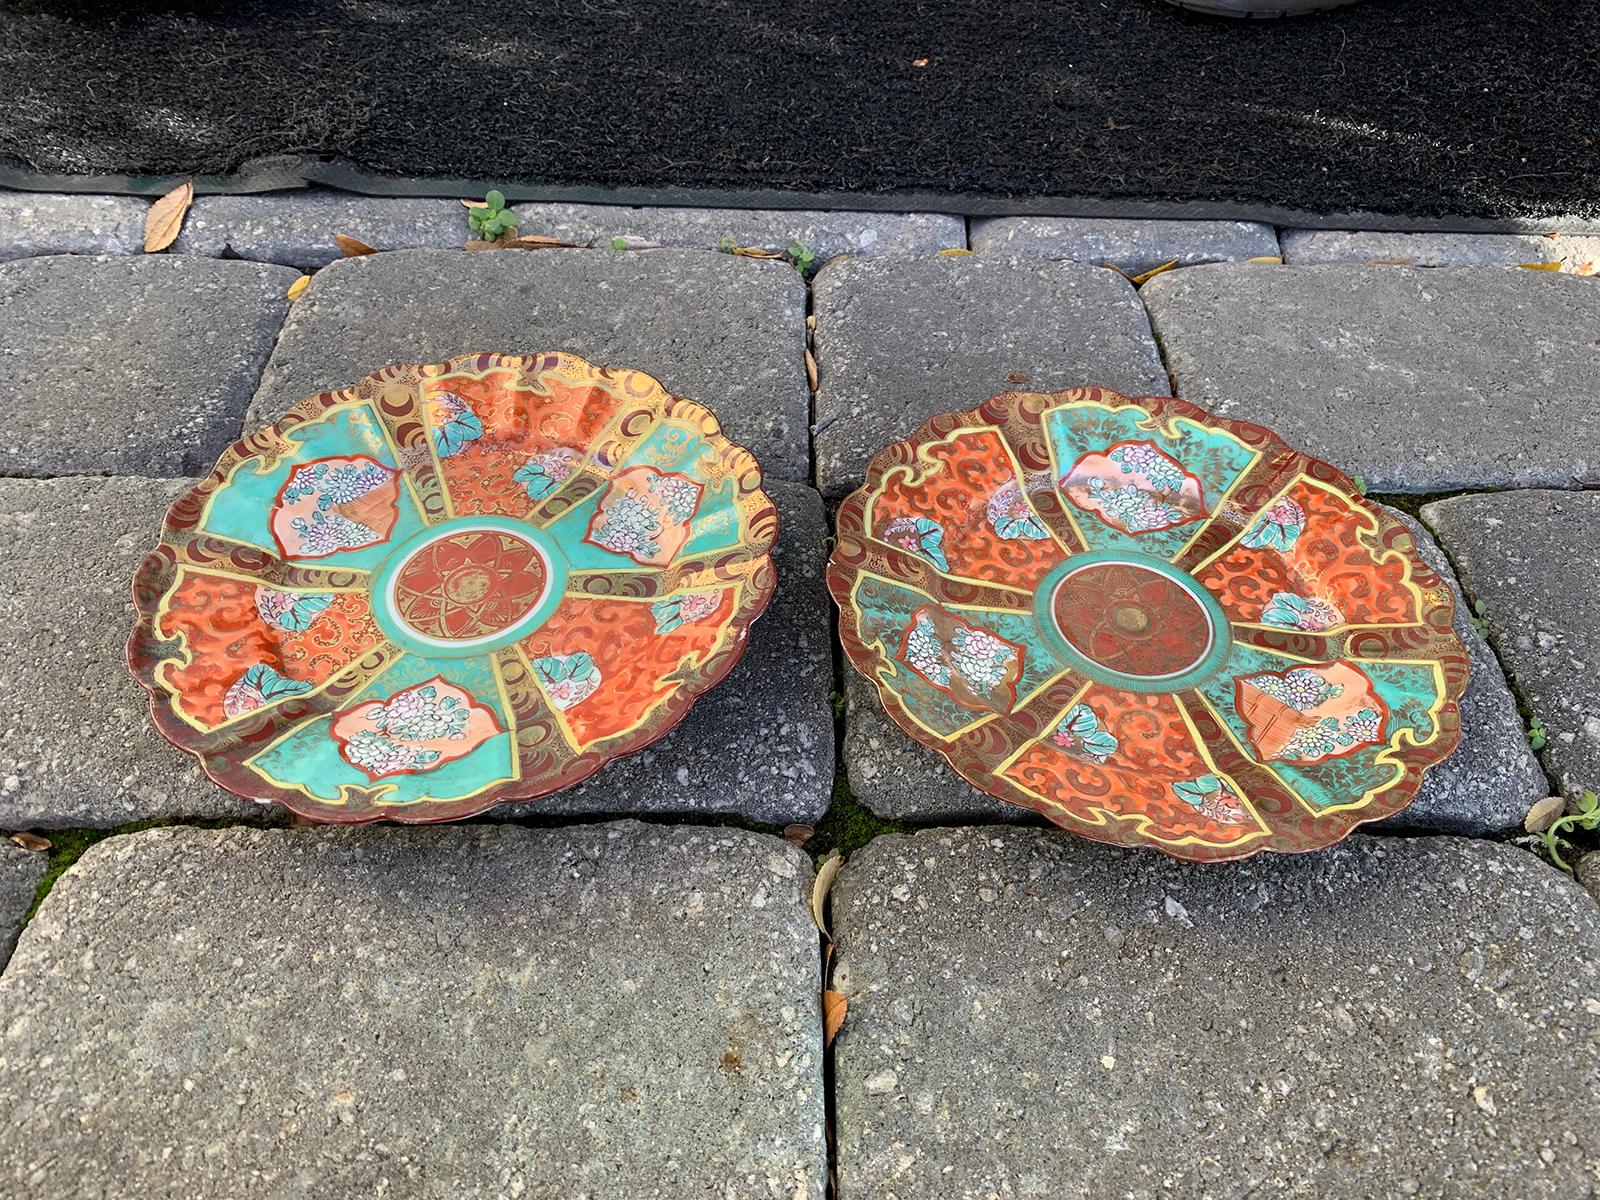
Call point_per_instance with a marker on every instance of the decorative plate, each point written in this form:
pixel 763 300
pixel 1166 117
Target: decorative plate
pixel 452 585
pixel 1152 625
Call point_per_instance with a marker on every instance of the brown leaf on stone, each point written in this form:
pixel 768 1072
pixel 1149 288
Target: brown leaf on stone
pixel 953 252
pixel 1589 267
pixel 31 841
pixel 298 287
pixel 811 323
pixel 165 218
pixel 529 242
pixel 474 204
pixel 1145 276
pixel 1544 814
pixel 820 889
pixel 754 252
pixel 1016 377
pixel 811 369
pixel 352 247
pixel 1540 266
pixel 798 834
pixel 1267 258
pixel 1389 262
pixel 834 1007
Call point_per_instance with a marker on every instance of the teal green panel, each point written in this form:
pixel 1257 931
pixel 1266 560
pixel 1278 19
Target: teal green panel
pixel 311 753
pixel 568 530
pixel 885 614
pixel 1208 454
pixel 242 507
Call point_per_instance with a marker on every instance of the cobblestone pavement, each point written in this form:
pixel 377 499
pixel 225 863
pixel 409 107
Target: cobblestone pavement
pixel 549 1002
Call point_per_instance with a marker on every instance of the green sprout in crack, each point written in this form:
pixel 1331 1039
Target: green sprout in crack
pixel 1361 484
pixel 1587 817
pixel 1479 618
pixel 494 220
pixel 1538 735
pixel 837 700
pixel 803 258
pixel 619 243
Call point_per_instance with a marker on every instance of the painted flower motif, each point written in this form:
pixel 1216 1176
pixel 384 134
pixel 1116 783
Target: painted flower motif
pixel 416 729
pixel 979 658
pixel 925 652
pixel 1278 528
pixel 1082 734
pixel 1332 735
pixel 454 424
pixel 645 514
pixel 290 611
pixel 681 610
pixel 1213 799
pixel 334 484
pixel 1135 509
pixel 543 473
pixel 1142 458
pixel 568 679
pixel 335 504
pixel 1301 688
pixel 631 526
pixel 323 533
pixel 1288 610
pixel 1135 487
pixel 679 497
pixel 258 686
pixel 919 536
pixel 1012 517
pixel 378 755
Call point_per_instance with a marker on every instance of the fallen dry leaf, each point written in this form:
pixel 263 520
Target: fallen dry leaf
pixel 352 247
pixel 31 841
pixel 754 252
pixel 919 62
pixel 474 204
pixel 821 888
pixel 1266 258
pixel 834 1007
pixel 1388 262
pixel 1588 267
pixel 1541 266
pixel 1016 377
pixel 1144 278
pixel 811 323
pixel 811 369
pixel 530 242
pixel 953 253
pixel 165 218
pixel 798 834
pixel 298 287
pixel 1544 814
pixel 1554 233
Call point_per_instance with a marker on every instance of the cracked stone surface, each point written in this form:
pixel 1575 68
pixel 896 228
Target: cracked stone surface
pixel 613 1011
pixel 1416 380
pixel 900 340
pixel 137 366
pixel 297 229
pixel 20 873
pixel 78 747
pixel 825 234
pixel 1033 1015
pixel 37 223
pixel 725 331
pixel 1306 246
pixel 1529 557
pixel 760 743
pixel 1133 246
pixel 1484 788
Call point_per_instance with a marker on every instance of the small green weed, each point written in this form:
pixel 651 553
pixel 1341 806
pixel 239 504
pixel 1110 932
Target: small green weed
pixel 1587 817
pixel 1361 484
pixel 1479 618
pixel 619 243
pixel 837 700
pixel 494 220
pixel 804 260
pixel 1538 735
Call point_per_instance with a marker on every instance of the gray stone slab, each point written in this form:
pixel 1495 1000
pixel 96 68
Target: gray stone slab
pixel 1032 1015
pixel 1416 380
pixel 1132 246
pixel 1307 246
pixel 297 229
pixel 1484 788
pixel 825 234
pixel 1589 873
pixel 20 873
pixel 761 743
pixel 728 332
pixel 1530 558
pixel 613 1011
pixel 76 744
pixel 138 366
pixel 899 340
pixel 36 223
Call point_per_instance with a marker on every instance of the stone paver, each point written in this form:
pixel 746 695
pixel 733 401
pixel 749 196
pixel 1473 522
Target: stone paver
pixel 1530 558
pixel 614 1011
pixel 1306 246
pixel 35 223
pixel 761 743
pixel 1485 787
pixel 20 873
pixel 1133 246
pixel 728 332
pixel 76 743
pixel 898 341
pixel 131 365
pixel 1416 380
pixel 1589 873
pixel 825 234
pixel 1032 1015
pixel 297 228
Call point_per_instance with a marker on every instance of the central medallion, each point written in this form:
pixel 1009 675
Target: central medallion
pixel 467 586
pixel 1133 621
